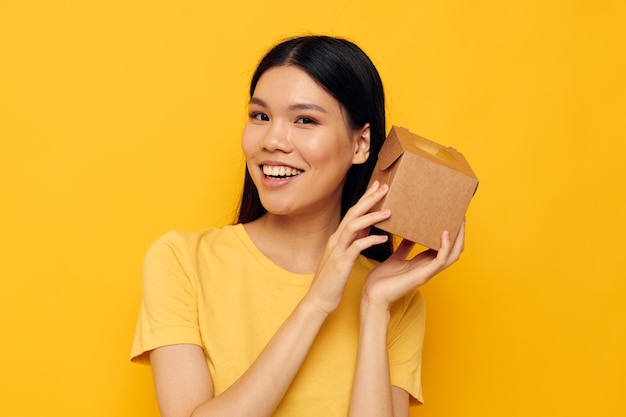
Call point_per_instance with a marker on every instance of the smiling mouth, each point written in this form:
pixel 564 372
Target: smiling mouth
pixel 273 171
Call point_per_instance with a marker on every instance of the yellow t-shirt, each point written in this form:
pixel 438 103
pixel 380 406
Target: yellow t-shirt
pixel 215 289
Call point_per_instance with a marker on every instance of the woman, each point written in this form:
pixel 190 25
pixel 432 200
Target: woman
pixel 281 314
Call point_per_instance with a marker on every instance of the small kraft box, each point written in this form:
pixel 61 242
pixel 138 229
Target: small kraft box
pixel 430 188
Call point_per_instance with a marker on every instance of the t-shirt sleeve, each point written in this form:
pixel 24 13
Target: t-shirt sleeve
pixel 404 340
pixel 169 306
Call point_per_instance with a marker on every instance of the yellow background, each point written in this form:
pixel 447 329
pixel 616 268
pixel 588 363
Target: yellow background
pixel 120 120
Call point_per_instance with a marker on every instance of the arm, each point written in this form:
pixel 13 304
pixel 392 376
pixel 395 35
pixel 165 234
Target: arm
pixel 182 380
pixel 372 390
pixel 184 387
pixel 372 393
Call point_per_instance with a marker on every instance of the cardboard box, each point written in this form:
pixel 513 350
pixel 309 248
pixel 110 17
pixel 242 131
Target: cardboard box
pixel 430 187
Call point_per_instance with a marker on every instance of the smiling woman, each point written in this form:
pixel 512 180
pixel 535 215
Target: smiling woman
pixel 296 125
pixel 346 73
pixel 328 320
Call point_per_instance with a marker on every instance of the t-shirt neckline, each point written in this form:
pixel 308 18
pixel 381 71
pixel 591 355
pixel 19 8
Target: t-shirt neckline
pixel 276 271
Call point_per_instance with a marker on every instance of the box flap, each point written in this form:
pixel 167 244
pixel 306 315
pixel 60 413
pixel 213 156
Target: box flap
pixel 433 151
pixel 391 150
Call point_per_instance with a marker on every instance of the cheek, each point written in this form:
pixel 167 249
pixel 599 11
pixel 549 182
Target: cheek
pixel 248 141
pixel 337 152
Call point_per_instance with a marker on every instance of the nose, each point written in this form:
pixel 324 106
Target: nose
pixel 277 138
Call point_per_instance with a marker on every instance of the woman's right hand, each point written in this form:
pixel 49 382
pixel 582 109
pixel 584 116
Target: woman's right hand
pixel 344 246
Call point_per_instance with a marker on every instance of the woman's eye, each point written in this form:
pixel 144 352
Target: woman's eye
pixel 260 116
pixel 304 120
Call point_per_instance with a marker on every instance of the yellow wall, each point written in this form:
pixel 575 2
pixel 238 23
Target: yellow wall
pixel 120 120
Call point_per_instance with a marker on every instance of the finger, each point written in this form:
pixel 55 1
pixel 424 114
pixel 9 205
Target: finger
pixel 362 233
pixel 352 229
pixel 360 245
pixel 444 250
pixel 404 249
pixel 372 196
pixel 459 244
pixel 429 263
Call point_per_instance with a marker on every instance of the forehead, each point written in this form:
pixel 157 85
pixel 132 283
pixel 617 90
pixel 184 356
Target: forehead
pixel 289 85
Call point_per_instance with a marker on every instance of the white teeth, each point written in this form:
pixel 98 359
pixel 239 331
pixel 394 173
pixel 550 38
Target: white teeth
pixel 280 171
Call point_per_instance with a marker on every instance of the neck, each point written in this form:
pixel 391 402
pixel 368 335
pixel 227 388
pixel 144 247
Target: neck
pixel 295 243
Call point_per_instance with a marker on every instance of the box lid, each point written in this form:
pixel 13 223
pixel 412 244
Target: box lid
pixel 405 141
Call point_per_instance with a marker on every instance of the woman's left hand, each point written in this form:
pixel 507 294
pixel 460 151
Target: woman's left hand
pixel 398 276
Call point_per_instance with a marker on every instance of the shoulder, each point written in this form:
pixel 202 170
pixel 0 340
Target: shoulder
pixel 179 258
pixel 180 238
pixel 178 241
pixel 181 250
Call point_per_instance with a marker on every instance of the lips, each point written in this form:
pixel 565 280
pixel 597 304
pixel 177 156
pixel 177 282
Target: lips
pixel 280 171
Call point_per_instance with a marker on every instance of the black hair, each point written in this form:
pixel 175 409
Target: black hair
pixel 346 73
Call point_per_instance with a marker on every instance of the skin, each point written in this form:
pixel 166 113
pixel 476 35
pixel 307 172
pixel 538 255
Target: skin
pixel 294 123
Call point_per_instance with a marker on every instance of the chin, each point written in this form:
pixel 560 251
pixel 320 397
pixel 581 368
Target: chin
pixel 277 208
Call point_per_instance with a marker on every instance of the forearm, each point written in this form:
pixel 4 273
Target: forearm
pixel 261 388
pixel 371 390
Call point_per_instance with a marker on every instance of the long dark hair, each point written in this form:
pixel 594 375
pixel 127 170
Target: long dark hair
pixel 346 73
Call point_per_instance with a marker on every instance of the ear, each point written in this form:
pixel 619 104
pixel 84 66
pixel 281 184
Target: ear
pixel 362 145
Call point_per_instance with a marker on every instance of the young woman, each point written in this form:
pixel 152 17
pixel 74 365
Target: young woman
pixel 297 309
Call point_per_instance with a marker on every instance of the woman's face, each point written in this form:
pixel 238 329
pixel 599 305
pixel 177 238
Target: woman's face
pixel 298 144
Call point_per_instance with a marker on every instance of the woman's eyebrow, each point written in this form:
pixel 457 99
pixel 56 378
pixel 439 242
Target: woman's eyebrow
pixel 258 102
pixel 307 106
pixel 296 106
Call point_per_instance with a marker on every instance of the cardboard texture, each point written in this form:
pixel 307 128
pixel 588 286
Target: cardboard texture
pixel 430 187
